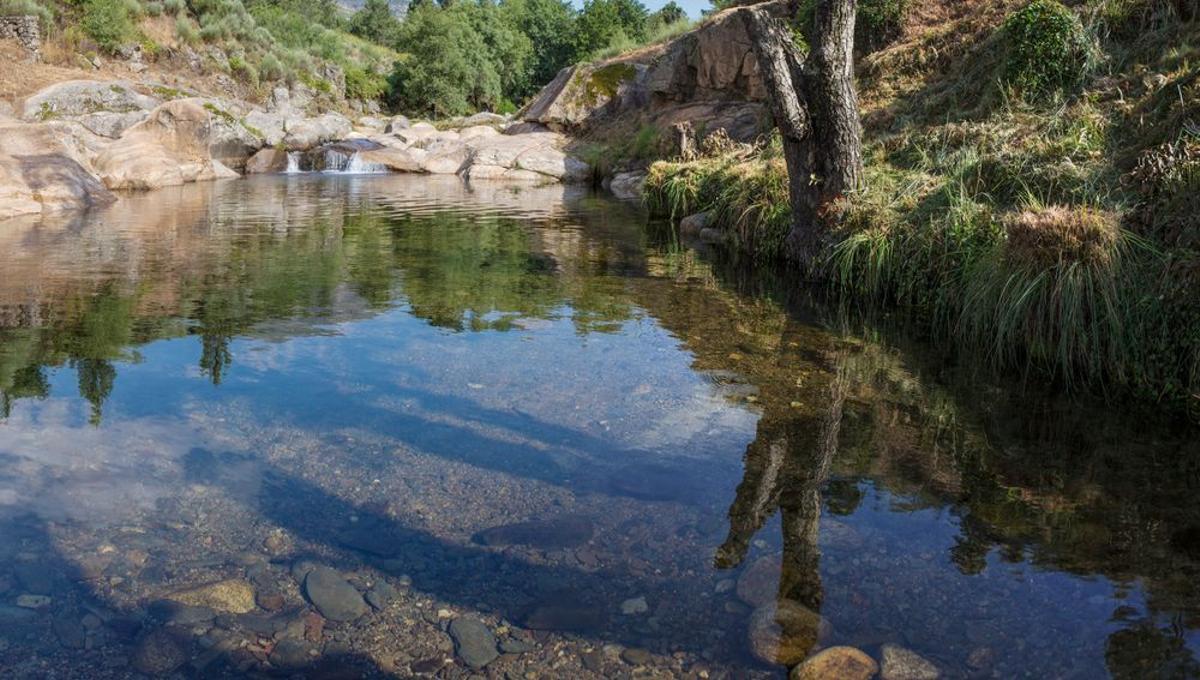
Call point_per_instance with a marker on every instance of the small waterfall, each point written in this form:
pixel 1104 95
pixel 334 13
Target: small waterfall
pixel 358 166
pixel 293 163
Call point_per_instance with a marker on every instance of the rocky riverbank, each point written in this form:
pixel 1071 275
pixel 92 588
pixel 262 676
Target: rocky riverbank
pixel 74 143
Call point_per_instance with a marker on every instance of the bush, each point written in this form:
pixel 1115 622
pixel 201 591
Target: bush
pixel 879 22
pixel 175 7
pixel 153 9
pixel 1047 49
pixel 108 23
pixel 243 71
pixel 186 30
pixel 364 84
pixel 270 68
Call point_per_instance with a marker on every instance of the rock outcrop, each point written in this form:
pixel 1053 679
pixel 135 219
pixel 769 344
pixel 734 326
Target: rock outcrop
pixel 709 75
pixel 170 147
pixel 44 167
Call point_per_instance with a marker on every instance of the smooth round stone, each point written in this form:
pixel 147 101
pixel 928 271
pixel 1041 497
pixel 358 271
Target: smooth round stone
pixel 333 595
pixel 233 596
pixel 785 632
pixel 904 664
pixel 562 532
pixel 159 653
pixel 758 584
pixel 291 654
pixel 473 642
pixel 843 663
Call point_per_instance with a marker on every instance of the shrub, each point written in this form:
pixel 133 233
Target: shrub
pixel 174 6
pixel 108 23
pixel 243 70
pixel 879 22
pixel 1047 49
pixel 153 9
pixel 270 68
pixel 186 30
pixel 364 84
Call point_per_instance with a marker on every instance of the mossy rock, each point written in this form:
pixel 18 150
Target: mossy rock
pixel 605 81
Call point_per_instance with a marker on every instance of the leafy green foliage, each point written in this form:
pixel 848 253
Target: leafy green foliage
pixel 365 84
pixel 879 21
pixel 375 22
pixel 605 23
pixel 1047 49
pixel 108 23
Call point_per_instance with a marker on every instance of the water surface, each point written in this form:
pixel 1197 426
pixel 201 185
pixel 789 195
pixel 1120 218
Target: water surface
pixel 395 376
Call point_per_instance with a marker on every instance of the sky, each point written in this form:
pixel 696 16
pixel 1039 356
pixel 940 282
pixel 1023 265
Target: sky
pixel 692 7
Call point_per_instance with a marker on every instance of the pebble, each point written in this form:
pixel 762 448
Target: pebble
pixel 291 654
pixel 842 663
pixel 562 532
pixel 785 632
pixel 381 595
pixel 515 646
pixel 473 642
pixel 333 595
pixel 233 596
pixel 758 584
pixel 904 664
pixel 636 657
pixel 28 601
pixel 635 605
pixel 158 653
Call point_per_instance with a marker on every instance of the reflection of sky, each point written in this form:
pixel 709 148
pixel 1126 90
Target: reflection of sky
pixel 578 401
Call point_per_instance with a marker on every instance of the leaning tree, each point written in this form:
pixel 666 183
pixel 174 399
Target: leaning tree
pixel 815 107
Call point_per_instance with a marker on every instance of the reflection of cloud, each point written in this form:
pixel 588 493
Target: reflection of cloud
pixel 55 465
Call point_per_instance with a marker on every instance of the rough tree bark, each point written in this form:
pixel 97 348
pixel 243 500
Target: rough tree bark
pixel 815 107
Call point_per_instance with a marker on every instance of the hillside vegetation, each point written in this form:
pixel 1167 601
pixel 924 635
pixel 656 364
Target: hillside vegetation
pixel 1033 187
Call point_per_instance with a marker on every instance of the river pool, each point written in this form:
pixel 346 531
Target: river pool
pixel 394 426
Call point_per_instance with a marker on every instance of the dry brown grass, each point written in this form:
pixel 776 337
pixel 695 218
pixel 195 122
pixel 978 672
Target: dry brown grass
pixel 1060 234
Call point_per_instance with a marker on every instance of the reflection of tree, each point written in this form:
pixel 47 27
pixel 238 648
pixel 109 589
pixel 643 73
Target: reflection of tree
pixel 1145 650
pixel 785 468
pixel 96 377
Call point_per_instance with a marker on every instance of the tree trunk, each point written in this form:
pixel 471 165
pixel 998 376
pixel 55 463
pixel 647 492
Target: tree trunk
pixel 815 108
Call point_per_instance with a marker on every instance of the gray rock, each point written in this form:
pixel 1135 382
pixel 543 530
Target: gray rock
pixel 110 124
pixel 158 653
pixel 473 642
pixel 712 235
pixel 904 664
pixel 291 654
pixel 692 225
pixel 333 596
pixel 70 632
pixel 627 186
pixel 561 532
pixel 80 97
pixel 381 595
pixel 515 646
pixel 396 124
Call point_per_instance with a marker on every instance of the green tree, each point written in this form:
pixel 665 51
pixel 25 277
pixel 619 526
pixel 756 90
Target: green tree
pixel 604 23
pixel 550 26
pixel 670 13
pixel 375 22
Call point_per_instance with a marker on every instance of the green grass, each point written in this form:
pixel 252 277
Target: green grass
pixel 1098 294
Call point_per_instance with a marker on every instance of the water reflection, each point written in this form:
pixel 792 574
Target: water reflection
pixel 681 468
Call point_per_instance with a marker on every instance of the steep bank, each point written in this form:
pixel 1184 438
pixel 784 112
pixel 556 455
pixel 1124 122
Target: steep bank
pixel 1039 212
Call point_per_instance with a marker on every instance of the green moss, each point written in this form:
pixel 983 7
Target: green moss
pixel 605 81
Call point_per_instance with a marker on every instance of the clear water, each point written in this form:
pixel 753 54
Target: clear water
pixel 384 374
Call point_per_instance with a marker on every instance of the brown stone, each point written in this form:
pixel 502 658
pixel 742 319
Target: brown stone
pixel 840 663
pixel 785 632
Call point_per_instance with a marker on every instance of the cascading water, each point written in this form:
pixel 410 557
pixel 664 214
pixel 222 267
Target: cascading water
pixel 357 166
pixel 293 163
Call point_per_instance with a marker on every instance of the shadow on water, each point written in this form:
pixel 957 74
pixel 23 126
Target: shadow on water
pixel 993 531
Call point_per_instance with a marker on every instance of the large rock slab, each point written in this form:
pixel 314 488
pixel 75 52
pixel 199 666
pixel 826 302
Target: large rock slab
pixel 82 97
pixel 44 167
pixel 169 148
